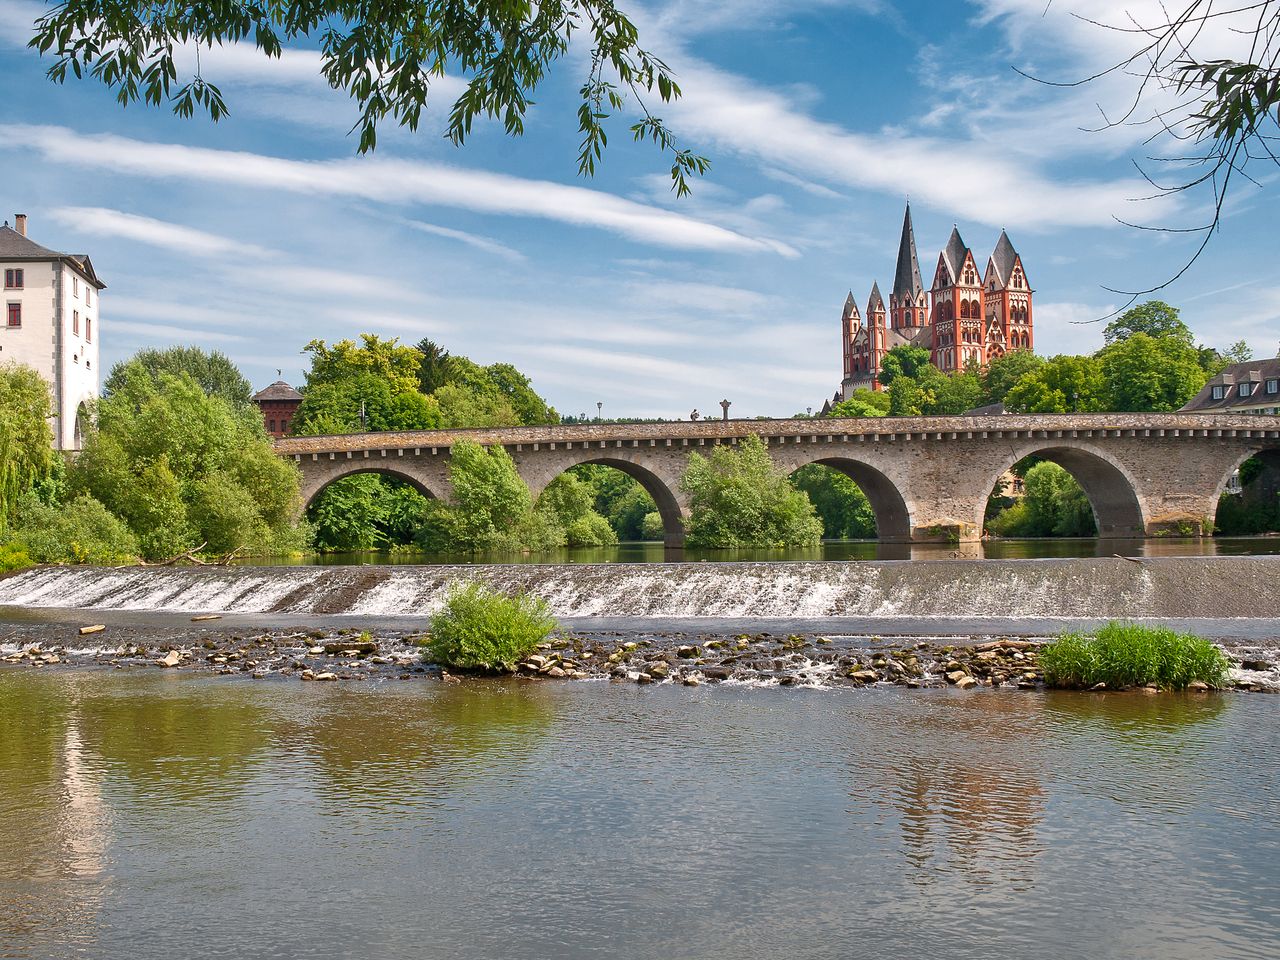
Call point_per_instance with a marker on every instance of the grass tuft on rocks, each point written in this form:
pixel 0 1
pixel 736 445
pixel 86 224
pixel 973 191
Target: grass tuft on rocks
pixel 1124 654
pixel 485 630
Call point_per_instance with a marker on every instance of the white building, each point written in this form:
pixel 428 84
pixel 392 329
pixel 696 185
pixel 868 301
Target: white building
pixel 52 302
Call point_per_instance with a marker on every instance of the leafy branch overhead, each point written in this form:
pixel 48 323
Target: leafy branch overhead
pixel 385 54
pixel 1214 117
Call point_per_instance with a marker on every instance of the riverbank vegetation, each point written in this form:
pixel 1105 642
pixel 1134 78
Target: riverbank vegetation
pixel 1121 655
pixel 482 629
pixel 738 498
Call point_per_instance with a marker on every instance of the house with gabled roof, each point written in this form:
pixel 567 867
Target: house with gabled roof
pixel 52 304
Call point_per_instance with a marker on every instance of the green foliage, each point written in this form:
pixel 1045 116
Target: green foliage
pixel 491 509
pixel 1053 505
pixel 1003 372
pixel 569 503
pixel 930 392
pixel 619 498
pixel 432 367
pixel 862 403
pixel 503 50
pixel 740 499
pixel 484 630
pixel 498 395
pixel 1238 352
pixel 652 527
pixel 182 467
pixel 462 406
pixel 13 557
pixel 26 440
pixel 1062 384
pixel 1240 515
pixel 902 361
pixel 335 407
pixel 384 359
pixel 82 531
pixel 1155 318
pixel 1143 373
pixel 1129 655
pixel 840 503
pixel 213 370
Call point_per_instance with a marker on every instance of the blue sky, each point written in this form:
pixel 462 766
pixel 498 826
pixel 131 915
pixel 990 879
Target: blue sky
pixel 257 234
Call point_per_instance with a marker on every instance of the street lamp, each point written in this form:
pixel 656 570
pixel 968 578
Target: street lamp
pixel 599 409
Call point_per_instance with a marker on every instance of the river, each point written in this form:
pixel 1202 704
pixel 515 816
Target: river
pixel 160 814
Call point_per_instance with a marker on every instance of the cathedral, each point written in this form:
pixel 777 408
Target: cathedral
pixel 964 318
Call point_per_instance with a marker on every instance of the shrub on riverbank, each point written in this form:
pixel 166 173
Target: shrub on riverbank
pixel 82 531
pixel 13 556
pixel 1132 655
pixel 483 629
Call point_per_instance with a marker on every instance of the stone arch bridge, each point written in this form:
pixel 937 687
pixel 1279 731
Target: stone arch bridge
pixel 927 478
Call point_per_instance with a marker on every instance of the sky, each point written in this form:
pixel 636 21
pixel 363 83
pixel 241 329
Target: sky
pixel 822 118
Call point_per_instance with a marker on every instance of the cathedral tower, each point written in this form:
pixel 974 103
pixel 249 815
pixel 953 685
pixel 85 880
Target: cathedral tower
pixel 908 306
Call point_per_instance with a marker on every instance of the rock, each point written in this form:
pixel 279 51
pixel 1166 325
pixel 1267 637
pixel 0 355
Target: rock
pixel 687 652
pixel 170 659
pixel 691 681
pixel 658 669
pixel 717 673
pixel 964 683
pixel 1198 685
pixel 315 651
pixel 556 672
pixel 93 628
pixel 952 666
pixel 325 676
pixel 206 616
pixel 864 676
pixel 955 676
pixel 347 648
pixel 1260 665
pixel 644 678
pixel 1098 686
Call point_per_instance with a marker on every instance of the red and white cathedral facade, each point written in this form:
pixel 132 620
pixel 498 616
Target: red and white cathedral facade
pixel 966 317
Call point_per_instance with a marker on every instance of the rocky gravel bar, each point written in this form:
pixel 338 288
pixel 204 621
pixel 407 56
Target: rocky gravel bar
pixel 692 659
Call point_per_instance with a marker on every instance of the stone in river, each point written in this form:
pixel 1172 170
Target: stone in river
pixel 687 652
pixel 955 676
pixel 1199 685
pixel 1255 664
pixel 964 683
pixel 555 672
pixel 325 676
pixel 659 669
pixel 93 628
pixel 170 659
pixel 864 676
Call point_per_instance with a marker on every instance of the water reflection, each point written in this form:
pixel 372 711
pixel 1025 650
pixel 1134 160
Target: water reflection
pixel 828 550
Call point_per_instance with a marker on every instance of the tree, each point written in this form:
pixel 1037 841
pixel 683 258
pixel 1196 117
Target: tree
pixel 213 370
pixel 1155 318
pixel 370 386
pixel 738 498
pixel 433 367
pixel 1143 373
pixel 862 403
pixel 1063 384
pixel 930 392
pixel 26 439
pixel 1238 352
pixel 902 361
pixel 569 503
pixel 385 359
pixel 183 468
pixel 1004 371
pixel 617 497
pixel 384 55
pixel 498 395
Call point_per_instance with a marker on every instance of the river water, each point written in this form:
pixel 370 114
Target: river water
pixel 163 815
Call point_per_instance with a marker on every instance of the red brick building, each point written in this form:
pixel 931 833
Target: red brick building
pixel 966 317
pixel 278 403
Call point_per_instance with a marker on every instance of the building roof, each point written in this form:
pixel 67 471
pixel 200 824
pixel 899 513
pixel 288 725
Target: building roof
pixel 14 246
pixel 277 391
pixel 1254 371
pixel 876 302
pixel 850 306
pixel 907 284
pixel 954 253
pixel 1004 257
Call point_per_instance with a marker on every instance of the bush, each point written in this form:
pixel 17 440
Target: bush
pixel 83 531
pixel 13 556
pixel 483 629
pixel 1129 655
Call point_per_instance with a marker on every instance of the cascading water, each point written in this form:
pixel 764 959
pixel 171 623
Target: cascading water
pixel 1088 588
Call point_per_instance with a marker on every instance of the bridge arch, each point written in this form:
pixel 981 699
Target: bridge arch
pixel 660 490
pixel 1111 489
pixel 311 492
pixel 893 516
pixel 1269 455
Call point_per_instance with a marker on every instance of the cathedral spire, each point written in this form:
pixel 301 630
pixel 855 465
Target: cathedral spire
pixel 907 285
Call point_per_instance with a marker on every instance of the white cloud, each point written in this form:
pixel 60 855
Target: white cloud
pixel 487 244
pixel 157 233
pixel 696 297
pixel 167 332
pixel 390 181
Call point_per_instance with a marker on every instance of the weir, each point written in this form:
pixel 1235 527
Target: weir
pixel 1167 587
pixel 927 478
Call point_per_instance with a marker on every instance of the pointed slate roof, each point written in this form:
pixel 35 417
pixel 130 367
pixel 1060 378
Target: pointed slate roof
pixel 876 303
pixel 1004 258
pixel 907 284
pixel 954 253
pixel 850 306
